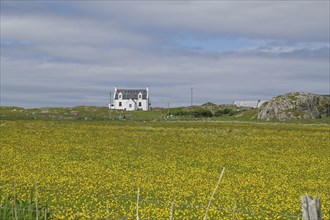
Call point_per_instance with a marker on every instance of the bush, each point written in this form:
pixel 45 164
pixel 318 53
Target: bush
pixel 201 113
pixel 218 113
pixel 178 112
pixel 233 112
pixel 225 111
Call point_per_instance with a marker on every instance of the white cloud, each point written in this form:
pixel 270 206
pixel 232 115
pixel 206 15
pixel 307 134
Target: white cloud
pixel 304 20
pixel 51 57
pixel 219 79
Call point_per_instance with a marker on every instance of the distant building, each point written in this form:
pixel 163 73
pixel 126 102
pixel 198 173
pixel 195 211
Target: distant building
pixel 131 99
pixel 249 104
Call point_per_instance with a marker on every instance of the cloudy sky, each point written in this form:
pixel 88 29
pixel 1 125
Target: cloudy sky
pixel 68 53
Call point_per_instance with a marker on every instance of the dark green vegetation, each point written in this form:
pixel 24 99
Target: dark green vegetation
pixel 102 113
pixel 12 207
pixel 208 111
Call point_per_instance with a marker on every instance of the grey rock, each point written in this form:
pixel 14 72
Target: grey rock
pixel 296 105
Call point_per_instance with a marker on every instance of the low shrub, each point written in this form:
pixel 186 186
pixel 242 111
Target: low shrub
pixel 14 208
pixel 225 111
pixel 201 113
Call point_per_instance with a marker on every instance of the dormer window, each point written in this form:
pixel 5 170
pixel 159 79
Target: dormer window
pixel 120 96
pixel 140 96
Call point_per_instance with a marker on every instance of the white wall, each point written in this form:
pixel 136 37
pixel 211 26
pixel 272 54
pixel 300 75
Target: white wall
pixel 249 104
pixel 130 105
pixel 134 105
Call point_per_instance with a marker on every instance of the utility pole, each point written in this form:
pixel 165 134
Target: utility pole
pixel 110 107
pixel 191 97
pixel 168 110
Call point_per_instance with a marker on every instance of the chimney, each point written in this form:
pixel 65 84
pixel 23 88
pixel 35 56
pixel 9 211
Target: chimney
pixel 147 89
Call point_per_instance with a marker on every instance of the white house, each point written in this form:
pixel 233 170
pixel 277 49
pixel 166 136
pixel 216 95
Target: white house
pixel 131 99
pixel 249 104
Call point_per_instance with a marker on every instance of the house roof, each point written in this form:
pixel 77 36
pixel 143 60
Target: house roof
pixel 131 93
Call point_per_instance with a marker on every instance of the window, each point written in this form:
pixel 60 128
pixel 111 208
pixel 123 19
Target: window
pixel 130 105
pixel 119 104
pixel 120 96
pixel 140 96
pixel 140 104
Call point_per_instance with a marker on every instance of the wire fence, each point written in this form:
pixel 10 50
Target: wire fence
pixel 160 203
pixel 12 206
pixel 203 207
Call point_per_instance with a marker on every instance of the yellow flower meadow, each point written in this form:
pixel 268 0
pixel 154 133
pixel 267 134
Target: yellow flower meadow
pixel 93 170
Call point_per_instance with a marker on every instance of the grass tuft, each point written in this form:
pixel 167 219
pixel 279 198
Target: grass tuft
pixel 14 208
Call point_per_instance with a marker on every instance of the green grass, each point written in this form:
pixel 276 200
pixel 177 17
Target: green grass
pixel 193 113
pixel 14 208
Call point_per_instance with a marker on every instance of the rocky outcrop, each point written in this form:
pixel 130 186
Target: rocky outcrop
pixel 297 105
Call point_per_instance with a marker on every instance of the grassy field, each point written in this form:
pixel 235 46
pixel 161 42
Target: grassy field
pixel 93 169
pixel 210 112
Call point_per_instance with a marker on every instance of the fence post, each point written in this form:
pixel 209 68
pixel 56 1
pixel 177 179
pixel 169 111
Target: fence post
pixel 37 214
pixel 215 189
pixel 137 204
pixel 311 208
pixel 234 210
pixel 172 206
pixel 108 212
